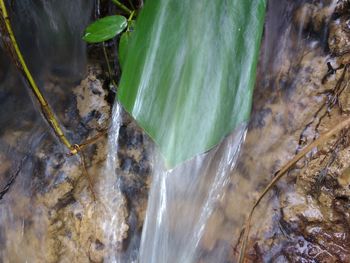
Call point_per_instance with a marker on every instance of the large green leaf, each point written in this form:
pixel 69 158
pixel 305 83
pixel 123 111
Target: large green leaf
pixel 105 28
pixel 190 70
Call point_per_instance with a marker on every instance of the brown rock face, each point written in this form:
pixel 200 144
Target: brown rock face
pixel 48 213
pixel 307 219
pixel 56 218
pixel 339 35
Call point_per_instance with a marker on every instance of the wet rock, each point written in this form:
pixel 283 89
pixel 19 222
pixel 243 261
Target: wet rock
pixel 327 197
pixel 50 211
pixel 313 16
pixel 342 7
pixel 296 206
pixel 339 36
pixel 134 166
pixel 92 106
pixel 5 165
pixel 209 237
pixel 305 217
pixel 319 220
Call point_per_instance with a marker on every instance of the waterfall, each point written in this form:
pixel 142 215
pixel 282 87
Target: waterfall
pixel 182 202
pixel 196 210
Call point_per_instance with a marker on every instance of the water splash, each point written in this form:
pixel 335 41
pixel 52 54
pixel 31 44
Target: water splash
pixel 181 205
pixel 110 195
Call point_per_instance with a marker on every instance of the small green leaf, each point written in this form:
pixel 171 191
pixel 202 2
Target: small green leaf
pixel 124 42
pixel 105 28
pixel 123 47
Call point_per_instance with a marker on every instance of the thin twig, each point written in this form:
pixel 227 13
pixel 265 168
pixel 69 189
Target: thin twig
pixel 131 16
pixel 121 6
pixel 90 141
pixel 111 78
pixel 320 140
pixel 85 171
pixel 326 106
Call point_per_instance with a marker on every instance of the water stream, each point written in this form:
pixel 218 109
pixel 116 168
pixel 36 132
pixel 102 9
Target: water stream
pixel 182 203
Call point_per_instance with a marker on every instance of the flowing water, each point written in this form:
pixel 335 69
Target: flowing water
pixel 195 212
pixel 182 203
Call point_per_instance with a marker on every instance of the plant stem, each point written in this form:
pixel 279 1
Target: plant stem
pixel 108 66
pixel 85 171
pixel 121 6
pixel 19 61
pixel 131 16
pixel 22 66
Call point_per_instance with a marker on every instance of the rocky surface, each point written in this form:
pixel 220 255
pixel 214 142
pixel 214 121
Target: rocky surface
pixel 47 209
pixel 316 212
pixel 56 219
pixel 306 217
